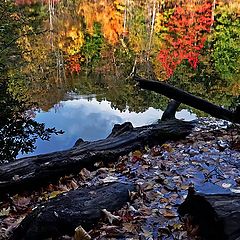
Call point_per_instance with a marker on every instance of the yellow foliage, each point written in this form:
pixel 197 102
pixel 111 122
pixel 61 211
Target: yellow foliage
pixel 236 89
pixel 159 22
pixel 71 39
pixel 232 6
pixel 24 43
pixel 108 14
pixel 33 47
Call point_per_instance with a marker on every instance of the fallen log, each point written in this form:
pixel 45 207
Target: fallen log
pixel 37 170
pixel 188 99
pixel 66 212
pixel 228 209
pixel 213 217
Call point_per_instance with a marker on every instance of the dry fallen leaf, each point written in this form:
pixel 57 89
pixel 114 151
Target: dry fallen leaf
pixel 5 212
pixel 177 226
pixel 13 225
pixel 235 190
pixel 163 173
pixel 167 147
pixel 85 174
pixel 129 227
pixel 136 156
pixel 226 185
pixel 110 216
pixel 81 234
pixel 54 194
pixel 73 184
pixel 168 213
pixel 21 202
pixel 146 233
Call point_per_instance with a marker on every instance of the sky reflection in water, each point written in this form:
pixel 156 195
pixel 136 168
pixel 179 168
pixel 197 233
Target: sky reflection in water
pixel 90 120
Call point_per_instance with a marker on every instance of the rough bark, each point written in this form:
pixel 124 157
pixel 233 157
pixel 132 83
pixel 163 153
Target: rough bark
pixel 31 171
pixel 188 99
pixel 217 215
pixel 63 214
pixel 227 207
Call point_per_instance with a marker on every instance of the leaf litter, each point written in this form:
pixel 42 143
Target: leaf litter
pixel 207 159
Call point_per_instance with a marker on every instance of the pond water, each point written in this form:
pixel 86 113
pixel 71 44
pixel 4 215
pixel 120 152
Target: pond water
pixel 68 64
pixel 90 120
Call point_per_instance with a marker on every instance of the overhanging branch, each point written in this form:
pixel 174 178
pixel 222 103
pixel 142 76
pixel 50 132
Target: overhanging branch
pixel 188 99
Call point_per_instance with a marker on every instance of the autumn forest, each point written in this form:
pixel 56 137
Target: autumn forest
pixel 89 91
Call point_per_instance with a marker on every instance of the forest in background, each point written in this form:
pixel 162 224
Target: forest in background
pixel 194 44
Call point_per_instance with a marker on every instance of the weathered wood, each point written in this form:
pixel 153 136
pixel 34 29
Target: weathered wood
pixel 189 99
pixel 170 111
pixel 31 171
pixel 227 207
pixel 237 112
pixel 217 215
pixel 63 214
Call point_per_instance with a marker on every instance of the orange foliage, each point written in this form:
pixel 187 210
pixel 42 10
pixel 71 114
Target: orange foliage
pixel 73 65
pixel 105 12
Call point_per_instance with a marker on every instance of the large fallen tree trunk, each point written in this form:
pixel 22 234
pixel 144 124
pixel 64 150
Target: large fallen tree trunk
pixel 228 209
pixel 189 99
pixel 216 216
pixel 62 215
pixel 31 171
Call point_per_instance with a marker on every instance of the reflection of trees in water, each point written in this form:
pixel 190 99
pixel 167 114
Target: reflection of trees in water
pixel 18 130
pixel 120 91
pixel 131 30
pixel 40 64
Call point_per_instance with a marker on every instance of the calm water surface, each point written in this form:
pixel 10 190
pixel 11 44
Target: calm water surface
pixel 90 120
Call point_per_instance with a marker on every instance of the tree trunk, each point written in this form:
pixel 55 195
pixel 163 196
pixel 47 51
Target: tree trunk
pixel 228 209
pixel 38 170
pixel 188 99
pixel 170 111
pixel 63 214
pixel 216 215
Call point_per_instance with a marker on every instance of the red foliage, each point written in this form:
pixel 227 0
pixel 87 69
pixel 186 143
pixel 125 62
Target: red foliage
pixel 73 64
pixel 187 27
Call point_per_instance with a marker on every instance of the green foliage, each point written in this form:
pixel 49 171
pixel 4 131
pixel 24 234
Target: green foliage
pixel 162 20
pixel 34 15
pixel 216 77
pixel 204 82
pixel 121 92
pixel 8 34
pixel 226 44
pixel 93 43
pixel 137 39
